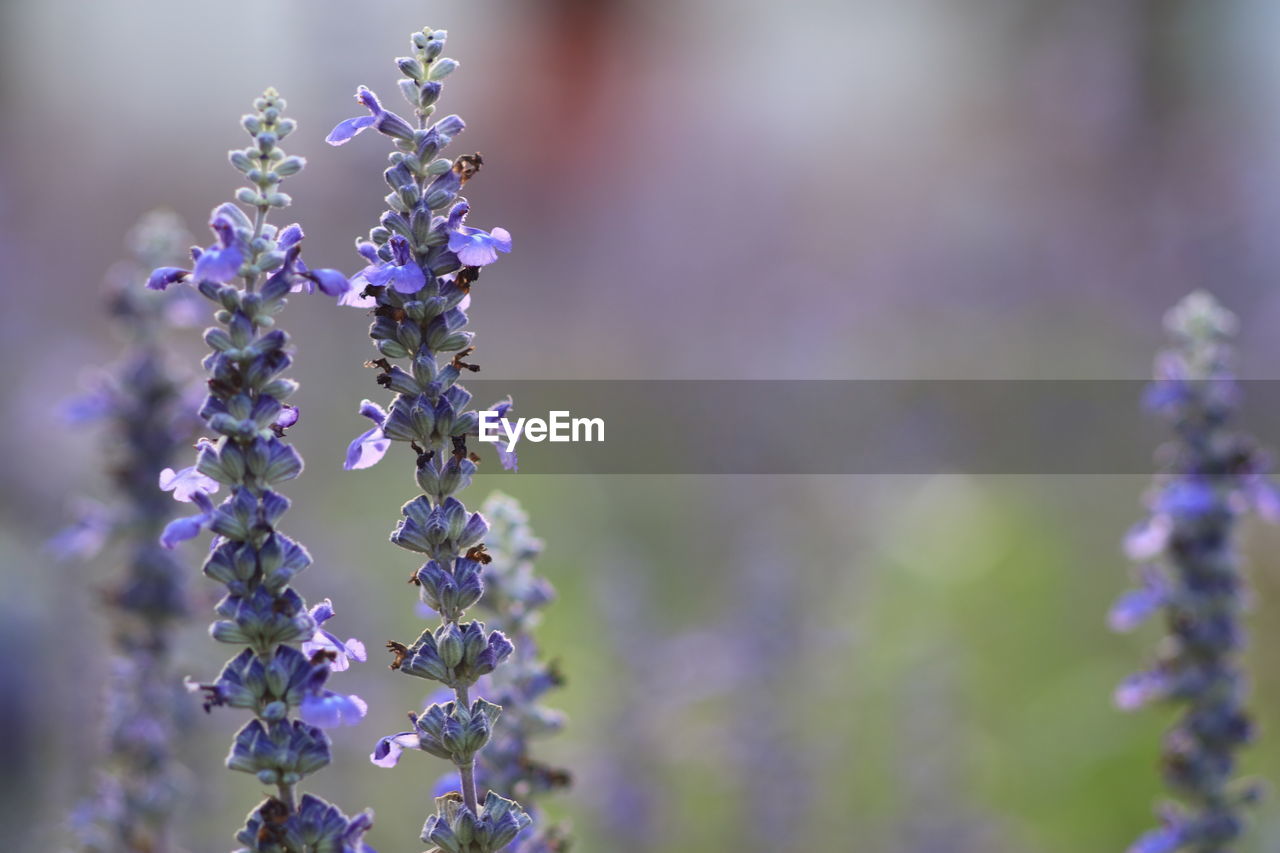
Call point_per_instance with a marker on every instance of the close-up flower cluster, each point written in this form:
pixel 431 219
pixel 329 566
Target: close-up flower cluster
pixel 422 264
pixel 287 658
pixel 823 336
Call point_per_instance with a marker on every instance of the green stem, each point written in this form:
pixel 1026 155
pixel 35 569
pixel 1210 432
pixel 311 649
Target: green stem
pixel 467 773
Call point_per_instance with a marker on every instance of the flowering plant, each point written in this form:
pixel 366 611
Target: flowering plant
pixel 1189 567
pixel 287 657
pixel 142 398
pixel 422 262
pixel 514 596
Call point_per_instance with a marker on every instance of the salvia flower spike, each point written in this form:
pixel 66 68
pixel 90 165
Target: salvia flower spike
pixel 421 262
pixel 138 783
pixel 514 595
pixel 1189 570
pixel 281 674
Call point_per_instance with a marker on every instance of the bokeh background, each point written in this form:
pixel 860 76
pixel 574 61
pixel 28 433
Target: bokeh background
pixel 724 189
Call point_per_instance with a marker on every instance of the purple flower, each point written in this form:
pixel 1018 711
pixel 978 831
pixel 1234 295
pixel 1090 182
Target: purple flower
pixel 1140 689
pixel 328 710
pixel 220 262
pixel 1148 538
pixel 87 535
pixel 294 271
pixel 446 784
pixel 288 417
pixel 188 527
pixel 1164 840
pixel 476 248
pixel 447 128
pixel 388 750
pixel 1133 608
pixel 353 127
pixel 187 483
pixel 370 446
pixel 162 277
pixel 330 282
pixel 353 837
pixel 91 406
pixel 354 297
pixel 384 121
pixel 1186 498
pixel 402 272
pixel 323 641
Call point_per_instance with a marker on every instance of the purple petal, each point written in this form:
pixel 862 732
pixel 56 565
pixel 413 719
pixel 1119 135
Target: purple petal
pixel 348 129
pixel 1140 689
pixel 185 484
pixel 475 252
pixel 86 408
pixel 355 298
pixel 476 248
pixel 323 611
pixel 1164 840
pixel 1148 538
pixel 447 783
pixel 1133 608
pixel 408 278
pixel 367 450
pixel 287 417
pixel 369 100
pixel 457 214
pixel 501 239
pixel 1187 498
pixel 331 282
pixel 387 752
pixel 289 236
pixel 220 265
pixel 162 277
pixel 182 529
pixel 448 127
pixel 373 412
pixel 84 538
pixel 323 641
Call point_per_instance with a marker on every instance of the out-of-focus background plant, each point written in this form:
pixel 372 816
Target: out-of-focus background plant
pixel 703 189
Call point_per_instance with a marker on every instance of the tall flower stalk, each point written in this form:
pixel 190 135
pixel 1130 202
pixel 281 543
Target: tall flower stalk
pixel 422 263
pixel 287 655
pixel 1190 571
pixel 139 782
pixel 514 595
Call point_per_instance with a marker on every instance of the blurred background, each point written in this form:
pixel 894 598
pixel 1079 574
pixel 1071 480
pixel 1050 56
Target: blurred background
pixel 700 189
